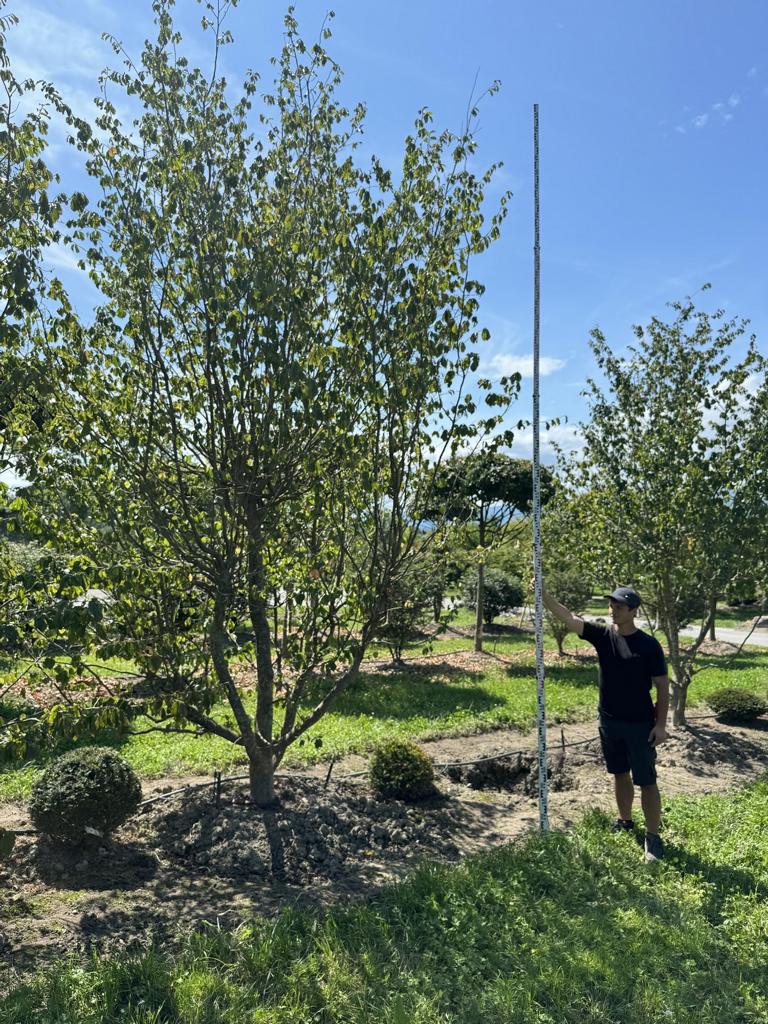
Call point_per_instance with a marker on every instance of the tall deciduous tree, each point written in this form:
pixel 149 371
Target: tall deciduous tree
pixel 283 350
pixel 664 475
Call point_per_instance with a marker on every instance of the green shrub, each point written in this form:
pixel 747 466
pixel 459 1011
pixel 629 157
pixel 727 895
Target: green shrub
pixel 501 593
pixel 89 788
pixel 401 770
pixel 732 705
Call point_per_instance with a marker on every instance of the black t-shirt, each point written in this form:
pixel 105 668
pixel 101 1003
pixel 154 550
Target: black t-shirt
pixel 625 682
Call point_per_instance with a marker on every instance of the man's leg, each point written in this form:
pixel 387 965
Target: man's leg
pixel 625 794
pixel 650 799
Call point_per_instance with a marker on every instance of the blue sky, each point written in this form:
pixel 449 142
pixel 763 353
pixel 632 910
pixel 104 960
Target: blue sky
pixel 654 148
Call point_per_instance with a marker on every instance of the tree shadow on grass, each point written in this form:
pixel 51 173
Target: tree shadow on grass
pixel 743 661
pixel 414 694
pixel 576 675
pixel 725 881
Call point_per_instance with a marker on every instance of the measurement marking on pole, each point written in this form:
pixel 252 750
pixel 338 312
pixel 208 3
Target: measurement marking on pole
pixel 538 617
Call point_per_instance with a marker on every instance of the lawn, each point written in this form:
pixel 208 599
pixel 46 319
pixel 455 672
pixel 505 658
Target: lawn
pixel 558 929
pixel 426 701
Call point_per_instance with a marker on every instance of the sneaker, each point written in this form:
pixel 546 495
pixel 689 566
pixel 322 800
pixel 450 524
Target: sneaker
pixel 623 825
pixel 654 848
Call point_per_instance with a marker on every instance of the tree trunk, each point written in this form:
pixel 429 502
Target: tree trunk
pixel 260 764
pixel 679 679
pixel 262 779
pixel 480 589
pixel 286 624
pixel 437 607
pixel 712 612
pixel 678 700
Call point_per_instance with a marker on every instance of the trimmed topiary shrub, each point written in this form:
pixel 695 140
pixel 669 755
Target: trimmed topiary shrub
pixel 732 705
pixel 92 788
pixel 400 770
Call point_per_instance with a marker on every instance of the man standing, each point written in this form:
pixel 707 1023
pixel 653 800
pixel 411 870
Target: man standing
pixel 631 661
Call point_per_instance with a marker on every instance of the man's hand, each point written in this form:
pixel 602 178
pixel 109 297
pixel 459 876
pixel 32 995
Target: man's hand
pixel 658 735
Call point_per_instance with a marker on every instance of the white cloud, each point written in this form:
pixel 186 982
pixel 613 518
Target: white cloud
pixel 60 256
pixel 506 364
pixel 45 46
pixel 720 113
pixel 562 437
pixel 752 72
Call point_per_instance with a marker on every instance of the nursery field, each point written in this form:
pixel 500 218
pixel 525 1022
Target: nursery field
pixel 451 691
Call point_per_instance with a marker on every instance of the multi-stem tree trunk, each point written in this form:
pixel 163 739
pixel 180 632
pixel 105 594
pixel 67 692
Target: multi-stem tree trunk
pixel 680 678
pixel 261 768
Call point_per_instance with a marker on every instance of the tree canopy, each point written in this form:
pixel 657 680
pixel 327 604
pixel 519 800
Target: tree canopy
pixel 665 479
pixel 282 352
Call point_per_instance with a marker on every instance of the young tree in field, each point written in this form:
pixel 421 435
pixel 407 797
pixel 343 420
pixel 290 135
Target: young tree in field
pixel 410 601
pixel 283 351
pixel 664 477
pixel 572 590
pixel 487 489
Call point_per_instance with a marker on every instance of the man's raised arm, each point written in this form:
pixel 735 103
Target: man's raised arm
pixel 573 622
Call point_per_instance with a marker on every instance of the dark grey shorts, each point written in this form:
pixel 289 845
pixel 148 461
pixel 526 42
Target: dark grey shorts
pixel 626 748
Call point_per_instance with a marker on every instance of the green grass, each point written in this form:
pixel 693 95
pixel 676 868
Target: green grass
pixel 11 668
pixel 420 703
pixel 560 929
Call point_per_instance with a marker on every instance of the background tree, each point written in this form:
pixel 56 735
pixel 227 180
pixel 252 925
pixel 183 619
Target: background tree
pixel 665 479
pixel 749 583
pixel 487 489
pixel 410 601
pixel 501 593
pixel 572 590
pixel 283 351
pixel 567 570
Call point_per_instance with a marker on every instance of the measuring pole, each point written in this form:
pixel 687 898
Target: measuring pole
pixel 538 609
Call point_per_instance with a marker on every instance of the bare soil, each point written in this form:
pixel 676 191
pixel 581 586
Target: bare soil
pixel 190 857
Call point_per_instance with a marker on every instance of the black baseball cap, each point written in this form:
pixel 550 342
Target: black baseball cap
pixel 629 596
